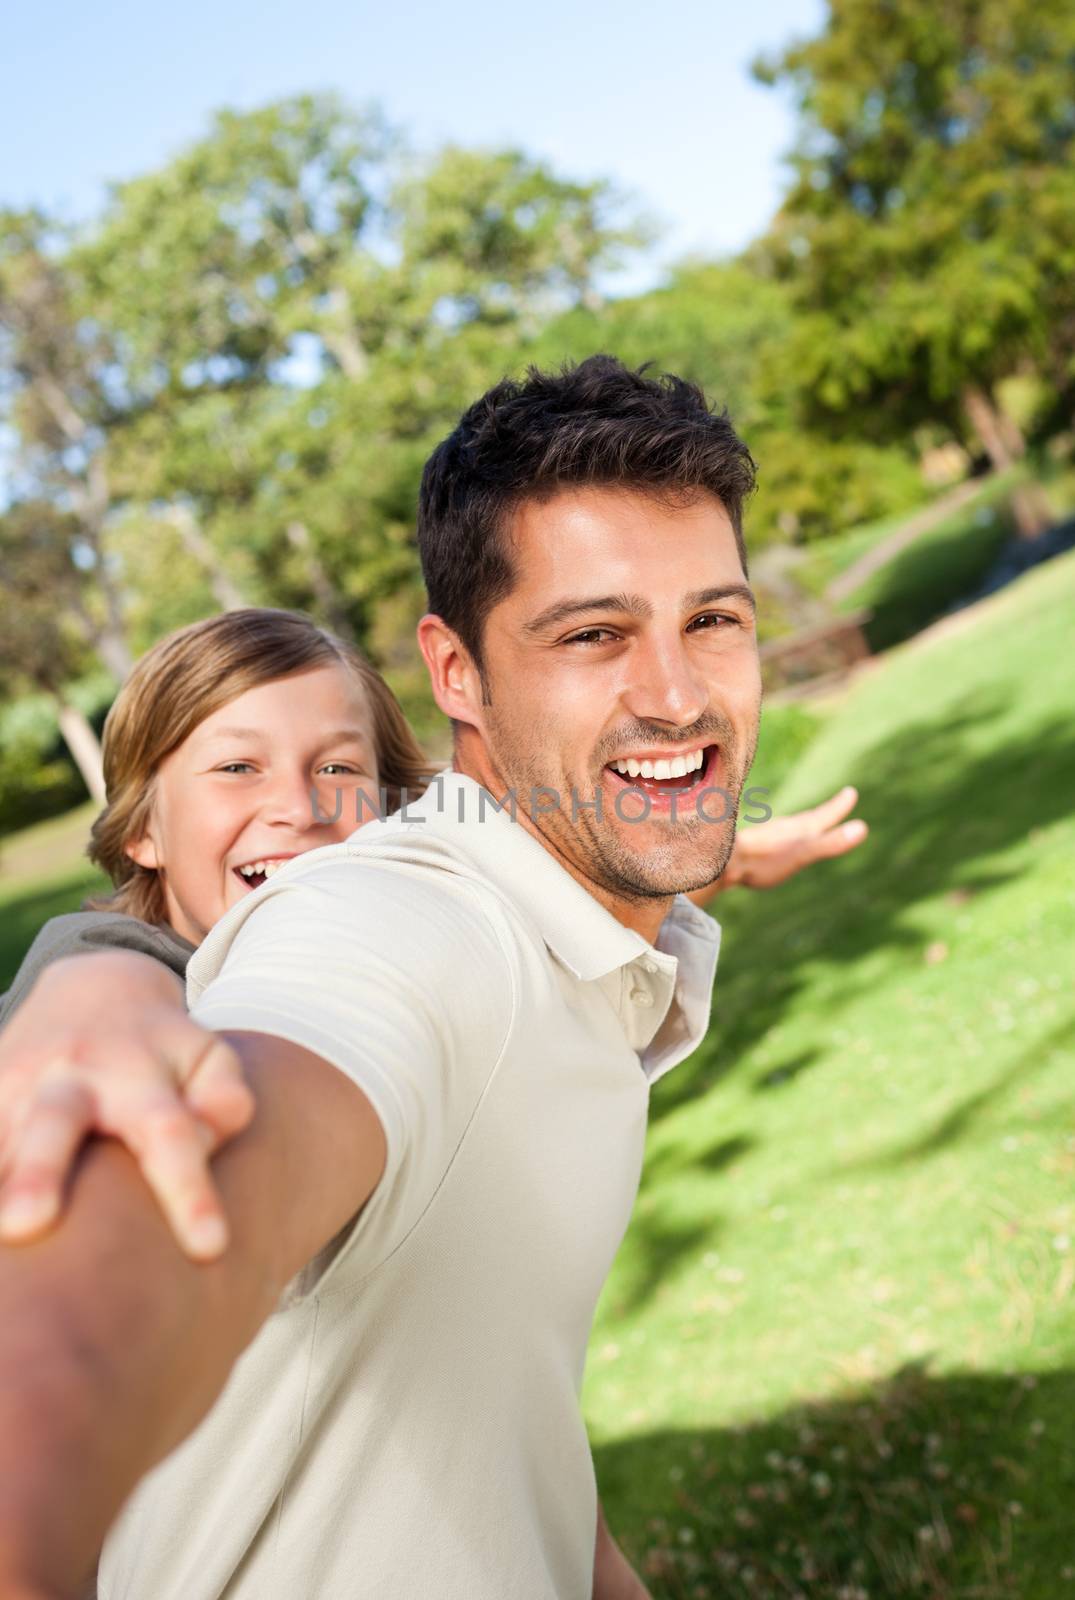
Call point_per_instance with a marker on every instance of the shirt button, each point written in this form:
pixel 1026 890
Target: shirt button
pixel 641 997
pixel 649 967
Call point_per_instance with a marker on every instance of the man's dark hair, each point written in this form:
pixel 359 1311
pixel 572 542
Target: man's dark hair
pixel 597 424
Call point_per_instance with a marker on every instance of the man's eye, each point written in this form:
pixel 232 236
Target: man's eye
pixel 712 619
pixel 591 636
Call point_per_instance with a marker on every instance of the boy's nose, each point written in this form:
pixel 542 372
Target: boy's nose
pixel 290 802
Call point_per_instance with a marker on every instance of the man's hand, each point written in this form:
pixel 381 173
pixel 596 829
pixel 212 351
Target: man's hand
pixel 103 1044
pixel 768 853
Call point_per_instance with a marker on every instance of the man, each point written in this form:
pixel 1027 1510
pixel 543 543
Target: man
pixel 449 1026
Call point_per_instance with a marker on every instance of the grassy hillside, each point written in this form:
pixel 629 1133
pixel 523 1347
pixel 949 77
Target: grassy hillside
pixel 835 1358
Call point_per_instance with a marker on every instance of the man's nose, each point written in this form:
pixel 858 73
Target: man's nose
pixel 665 685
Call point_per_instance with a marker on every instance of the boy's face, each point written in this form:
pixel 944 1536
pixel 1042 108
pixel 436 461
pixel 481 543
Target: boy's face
pixel 629 635
pixel 237 792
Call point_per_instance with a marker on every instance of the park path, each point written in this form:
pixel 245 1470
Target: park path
pixel 886 550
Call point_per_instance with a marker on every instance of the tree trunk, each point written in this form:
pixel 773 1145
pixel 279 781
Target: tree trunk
pixel 112 639
pixel 1003 443
pixel 328 600
pixel 84 746
pixel 226 593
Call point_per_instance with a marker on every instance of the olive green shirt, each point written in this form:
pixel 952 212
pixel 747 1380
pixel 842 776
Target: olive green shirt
pixel 85 931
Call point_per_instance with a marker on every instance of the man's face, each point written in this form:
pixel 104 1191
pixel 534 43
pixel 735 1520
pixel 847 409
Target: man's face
pixel 628 637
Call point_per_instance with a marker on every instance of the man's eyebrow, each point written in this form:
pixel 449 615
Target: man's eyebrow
pixel 635 604
pixel 727 591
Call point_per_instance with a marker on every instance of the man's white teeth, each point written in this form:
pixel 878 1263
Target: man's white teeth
pixel 678 767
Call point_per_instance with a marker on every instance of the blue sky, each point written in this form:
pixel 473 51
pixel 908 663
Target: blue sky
pixel 658 98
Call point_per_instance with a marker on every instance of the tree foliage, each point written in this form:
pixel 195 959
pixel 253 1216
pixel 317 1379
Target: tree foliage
pixel 928 236
pixel 222 390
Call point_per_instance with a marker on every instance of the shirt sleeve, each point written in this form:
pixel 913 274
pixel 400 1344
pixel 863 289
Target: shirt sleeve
pixel 399 976
pixel 85 933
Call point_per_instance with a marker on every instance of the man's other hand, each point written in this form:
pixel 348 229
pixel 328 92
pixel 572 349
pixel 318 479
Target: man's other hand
pixel 769 853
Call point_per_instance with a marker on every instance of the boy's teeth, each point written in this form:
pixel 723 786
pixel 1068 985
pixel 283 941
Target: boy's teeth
pixel 265 868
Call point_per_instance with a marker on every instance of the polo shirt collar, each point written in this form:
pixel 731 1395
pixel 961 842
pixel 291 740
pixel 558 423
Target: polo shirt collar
pixel 576 927
pixel 662 992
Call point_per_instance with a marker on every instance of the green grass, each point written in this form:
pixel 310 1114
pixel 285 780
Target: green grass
pixel 835 1357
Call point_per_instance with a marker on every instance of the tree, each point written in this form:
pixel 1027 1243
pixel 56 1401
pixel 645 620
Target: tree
pixel 300 310
pixel 928 235
pixel 49 633
pixel 58 398
pixel 727 326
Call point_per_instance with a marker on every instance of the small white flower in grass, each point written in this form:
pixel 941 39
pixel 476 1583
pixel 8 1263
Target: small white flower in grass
pixel 927 1535
pixel 686 1535
pixel 1037 1426
pixel 1014 1508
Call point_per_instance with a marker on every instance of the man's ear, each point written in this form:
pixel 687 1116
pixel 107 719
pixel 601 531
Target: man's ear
pixel 456 681
pixel 142 851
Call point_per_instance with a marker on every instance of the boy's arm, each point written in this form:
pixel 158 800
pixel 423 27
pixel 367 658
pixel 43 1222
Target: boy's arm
pixel 113 1345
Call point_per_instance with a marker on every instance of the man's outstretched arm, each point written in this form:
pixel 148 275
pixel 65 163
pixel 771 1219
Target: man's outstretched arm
pixel 113 1345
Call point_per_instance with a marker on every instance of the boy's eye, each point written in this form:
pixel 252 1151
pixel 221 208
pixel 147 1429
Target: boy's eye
pixel 341 768
pixel 236 766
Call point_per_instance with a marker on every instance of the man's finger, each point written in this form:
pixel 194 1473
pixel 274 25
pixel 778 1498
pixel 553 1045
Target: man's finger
pixel 40 1156
pixel 833 810
pixel 173 1147
pixel 838 841
pixel 217 1091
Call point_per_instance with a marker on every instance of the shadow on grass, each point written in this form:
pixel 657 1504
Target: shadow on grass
pixel 950 1488
pixel 960 1122
pixel 939 807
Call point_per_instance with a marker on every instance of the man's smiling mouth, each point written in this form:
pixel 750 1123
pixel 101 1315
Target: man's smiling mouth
pixel 662 776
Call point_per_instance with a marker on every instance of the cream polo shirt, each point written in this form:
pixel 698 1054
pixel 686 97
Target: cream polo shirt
pixel 407 1426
